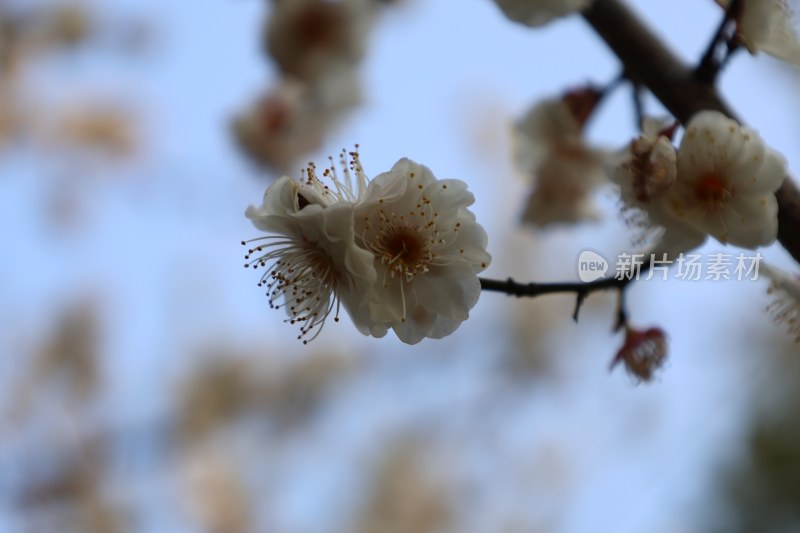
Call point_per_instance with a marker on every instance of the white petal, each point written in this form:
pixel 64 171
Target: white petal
pixel 752 221
pixel 766 178
pixel 427 250
pixel 769 25
pixel 677 239
pixel 451 294
pixel 710 144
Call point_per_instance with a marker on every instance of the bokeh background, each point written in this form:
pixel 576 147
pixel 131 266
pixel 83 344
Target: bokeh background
pixel 145 385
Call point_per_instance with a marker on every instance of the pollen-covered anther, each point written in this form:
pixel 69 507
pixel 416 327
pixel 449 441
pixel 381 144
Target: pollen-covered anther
pixel 405 249
pixel 300 277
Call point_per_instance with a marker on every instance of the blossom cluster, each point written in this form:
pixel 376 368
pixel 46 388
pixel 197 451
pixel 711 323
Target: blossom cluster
pixel 400 251
pixel 720 181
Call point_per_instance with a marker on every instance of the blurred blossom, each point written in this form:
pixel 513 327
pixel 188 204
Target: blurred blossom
pixel 66 364
pixel 104 129
pixel 293 391
pixel 309 39
pixel 317 46
pixel 550 148
pixel 73 353
pixel 11 43
pixel 89 129
pixel 216 393
pixel 293 118
pixel 215 493
pixel 25 34
pixel 405 495
pixel 70 497
pixel 33 30
pixel 28 30
pixel 10 122
pixel 66 25
pixel 279 389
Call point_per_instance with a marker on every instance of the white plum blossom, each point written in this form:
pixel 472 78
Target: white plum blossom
pixel 720 182
pixel 539 12
pixel 398 252
pixel 645 171
pixel 769 26
pixel 428 250
pixel 786 306
pixel 726 179
pixel 310 258
pixel 549 147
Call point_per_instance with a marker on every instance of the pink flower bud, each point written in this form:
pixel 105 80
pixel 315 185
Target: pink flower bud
pixel 643 352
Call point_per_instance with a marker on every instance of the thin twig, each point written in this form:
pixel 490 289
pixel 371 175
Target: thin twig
pixel 581 289
pixel 638 106
pixel 710 66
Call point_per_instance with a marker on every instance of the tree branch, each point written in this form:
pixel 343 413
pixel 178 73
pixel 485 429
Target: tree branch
pixel 651 63
pixel 580 289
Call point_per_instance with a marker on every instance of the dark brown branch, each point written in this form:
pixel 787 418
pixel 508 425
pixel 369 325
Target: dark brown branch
pixel 651 63
pixel 531 290
pixel 519 290
pixel 580 289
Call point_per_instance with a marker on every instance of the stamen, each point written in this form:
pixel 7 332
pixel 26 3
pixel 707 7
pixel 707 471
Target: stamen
pixel 300 277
